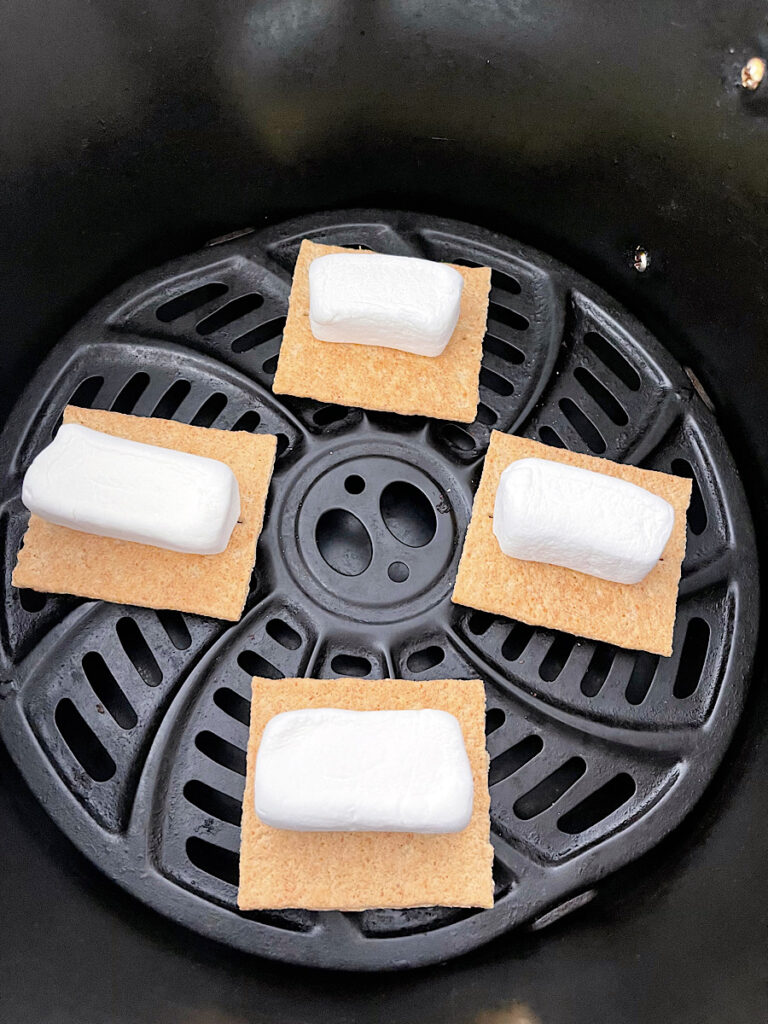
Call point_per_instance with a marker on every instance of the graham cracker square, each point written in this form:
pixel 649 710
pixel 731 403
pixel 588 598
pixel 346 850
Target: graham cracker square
pixel 58 560
pixel 445 387
pixel 364 870
pixel 639 616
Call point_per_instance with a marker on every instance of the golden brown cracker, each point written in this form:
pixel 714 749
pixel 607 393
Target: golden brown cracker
pixel 640 616
pixel 55 559
pixel 371 377
pixel 361 870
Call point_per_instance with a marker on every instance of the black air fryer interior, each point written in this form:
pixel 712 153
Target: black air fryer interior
pixel 131 725
pixel 132 136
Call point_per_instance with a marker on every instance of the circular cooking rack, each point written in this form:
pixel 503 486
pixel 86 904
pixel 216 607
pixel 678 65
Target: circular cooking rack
pixel 130 725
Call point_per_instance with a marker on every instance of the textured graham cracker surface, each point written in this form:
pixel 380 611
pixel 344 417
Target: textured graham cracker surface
pixel 371 377
pixel 364 870
pixel 639 616
pixel 55 559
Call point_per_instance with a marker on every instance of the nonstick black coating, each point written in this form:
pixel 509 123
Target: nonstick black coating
pixel 130 725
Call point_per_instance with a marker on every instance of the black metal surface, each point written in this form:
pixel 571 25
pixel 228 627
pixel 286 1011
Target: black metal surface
pixel 130 726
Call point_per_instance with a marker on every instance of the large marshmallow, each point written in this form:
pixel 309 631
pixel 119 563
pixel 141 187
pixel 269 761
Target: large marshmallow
pixel 113 487
pixel 329 770
pixel 391 301
pixel 597 524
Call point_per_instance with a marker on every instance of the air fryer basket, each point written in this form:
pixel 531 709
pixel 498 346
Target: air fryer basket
pixel 134 133
pixel 131 725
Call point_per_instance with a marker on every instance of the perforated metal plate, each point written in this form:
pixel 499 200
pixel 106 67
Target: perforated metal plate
pixel 130 726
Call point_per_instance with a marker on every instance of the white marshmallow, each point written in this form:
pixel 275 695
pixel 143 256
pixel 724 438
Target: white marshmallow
pixel 113 487
pixel 329 770
pixel 549 512
pixel 391 301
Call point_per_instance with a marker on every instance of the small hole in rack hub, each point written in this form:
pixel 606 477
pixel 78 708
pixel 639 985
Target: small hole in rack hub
pixel 398 572
pixel 354 484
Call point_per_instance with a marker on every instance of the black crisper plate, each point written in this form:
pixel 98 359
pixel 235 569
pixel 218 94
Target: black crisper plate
pixel 130 725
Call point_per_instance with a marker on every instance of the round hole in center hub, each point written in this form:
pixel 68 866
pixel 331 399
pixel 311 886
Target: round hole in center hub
pixel 398 572
pixel 354 484
pixel 343 542
pixel 408 514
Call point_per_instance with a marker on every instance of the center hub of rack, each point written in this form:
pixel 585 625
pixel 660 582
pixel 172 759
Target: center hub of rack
pixel 371 528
